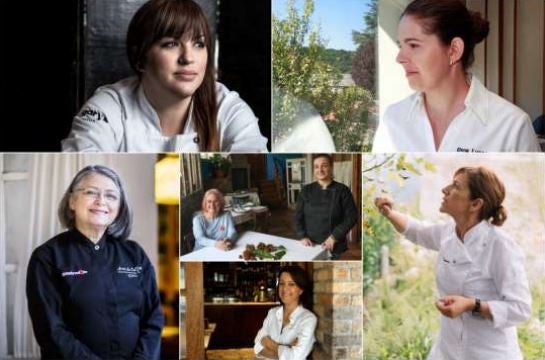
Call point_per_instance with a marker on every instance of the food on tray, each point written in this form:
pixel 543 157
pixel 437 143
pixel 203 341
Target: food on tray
pixel 263 251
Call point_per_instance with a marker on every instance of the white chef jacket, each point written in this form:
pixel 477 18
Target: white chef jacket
pixel 301 326
pixel 488 123
pixel 119 118
pixel 488 265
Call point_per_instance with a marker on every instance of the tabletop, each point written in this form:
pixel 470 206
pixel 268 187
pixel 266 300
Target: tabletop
pixel 294 250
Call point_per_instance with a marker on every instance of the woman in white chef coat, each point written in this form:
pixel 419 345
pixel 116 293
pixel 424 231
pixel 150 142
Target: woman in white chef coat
pixel 480 272
pixel 288 330
pixel 174 103
pixel 451 109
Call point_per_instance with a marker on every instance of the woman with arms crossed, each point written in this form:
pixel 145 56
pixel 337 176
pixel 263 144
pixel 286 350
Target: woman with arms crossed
pixel 288 330
pixel 174 103
pixel 480 272
pixel 452 110
pixel 91 292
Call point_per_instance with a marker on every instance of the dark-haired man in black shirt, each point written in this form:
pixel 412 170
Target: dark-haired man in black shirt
pixel 325 209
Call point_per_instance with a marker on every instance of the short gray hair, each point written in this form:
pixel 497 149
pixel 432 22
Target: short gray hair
pixel 122 225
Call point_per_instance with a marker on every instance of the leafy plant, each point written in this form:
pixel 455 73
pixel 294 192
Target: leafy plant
pixel 377 230
pixel 220 162
pixel 302 75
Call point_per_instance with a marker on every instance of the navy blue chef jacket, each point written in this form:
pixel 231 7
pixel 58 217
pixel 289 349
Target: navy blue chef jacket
pixel 93 301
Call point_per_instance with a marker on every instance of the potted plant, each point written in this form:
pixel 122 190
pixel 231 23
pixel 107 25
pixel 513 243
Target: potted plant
pixel 220 165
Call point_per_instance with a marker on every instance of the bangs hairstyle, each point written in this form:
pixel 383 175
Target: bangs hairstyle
pixel 183 19
pixel 122 225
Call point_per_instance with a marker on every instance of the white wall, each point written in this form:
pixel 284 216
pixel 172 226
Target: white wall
pixel 392 84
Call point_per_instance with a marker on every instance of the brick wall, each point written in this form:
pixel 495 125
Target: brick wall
pixel 338 301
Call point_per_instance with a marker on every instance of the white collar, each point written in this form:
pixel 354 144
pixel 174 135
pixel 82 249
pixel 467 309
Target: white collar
pixel 293 315
pixel 150 112
pixel 476 100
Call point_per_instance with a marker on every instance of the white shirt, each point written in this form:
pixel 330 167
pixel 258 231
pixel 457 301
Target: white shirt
pixel 488 123
pixel 301 327
pixel 488 265
pixel 119 118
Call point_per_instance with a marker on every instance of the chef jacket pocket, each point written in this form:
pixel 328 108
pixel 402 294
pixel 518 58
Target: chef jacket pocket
pixel 451 274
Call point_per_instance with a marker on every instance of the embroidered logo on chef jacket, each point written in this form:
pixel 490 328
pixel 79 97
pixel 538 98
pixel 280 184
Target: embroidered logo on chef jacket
pixel 130 271
pixel 80 272
pixel 92 115
pixel 461 149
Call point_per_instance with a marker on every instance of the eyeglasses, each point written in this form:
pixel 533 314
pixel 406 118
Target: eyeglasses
pixel 95 194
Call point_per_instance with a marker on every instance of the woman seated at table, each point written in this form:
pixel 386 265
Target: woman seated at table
pixel 288 330
pixel 213 226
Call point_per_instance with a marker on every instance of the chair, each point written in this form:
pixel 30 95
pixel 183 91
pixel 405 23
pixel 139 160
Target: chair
pixel 188 243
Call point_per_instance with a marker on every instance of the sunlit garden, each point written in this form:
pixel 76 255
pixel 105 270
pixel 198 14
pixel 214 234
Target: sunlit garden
pixel 314 83
pixel 401 321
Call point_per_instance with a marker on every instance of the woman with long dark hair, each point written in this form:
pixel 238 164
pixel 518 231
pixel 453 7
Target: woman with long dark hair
pixel 174 102
pixel 288 330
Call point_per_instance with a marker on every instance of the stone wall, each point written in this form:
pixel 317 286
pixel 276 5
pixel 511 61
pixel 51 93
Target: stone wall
pixel 338 303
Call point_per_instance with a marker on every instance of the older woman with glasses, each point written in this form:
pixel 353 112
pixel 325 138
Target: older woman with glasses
pixel 91 292
pixel 213 226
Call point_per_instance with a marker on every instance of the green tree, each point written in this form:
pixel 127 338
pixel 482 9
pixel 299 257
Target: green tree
pixel 364 64
pixel 301 74
pixel 378 172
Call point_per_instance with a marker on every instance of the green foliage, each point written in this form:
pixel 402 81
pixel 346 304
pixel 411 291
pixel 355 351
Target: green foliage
pixel 402 318
pixel 339 59
pixel 370 19
pixel 303 73
pixel 377 230
pixel 219 162
pixel 531 340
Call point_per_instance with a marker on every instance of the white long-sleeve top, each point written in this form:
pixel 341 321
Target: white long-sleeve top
pixel 208 232
pixel 488 265
pixel 301 327
pixel 119 118
pixel 488 123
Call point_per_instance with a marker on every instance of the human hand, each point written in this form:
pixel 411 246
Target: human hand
pixel 269 343
pixel 384 205
pixel 453 306
pixel 329 243
pixel 294 342
pixel 228 243
pixel 306 242
pixel 222 245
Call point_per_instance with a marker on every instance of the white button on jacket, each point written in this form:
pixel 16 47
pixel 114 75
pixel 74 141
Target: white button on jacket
pixel 301 327
pixel 488 265
pixel 488 123
pixel 119 118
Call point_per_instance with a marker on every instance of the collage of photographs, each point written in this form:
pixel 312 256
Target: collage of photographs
pixel 273 179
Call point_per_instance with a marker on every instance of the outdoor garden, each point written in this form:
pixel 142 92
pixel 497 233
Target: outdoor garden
pixel 309 78
pixel 400 319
